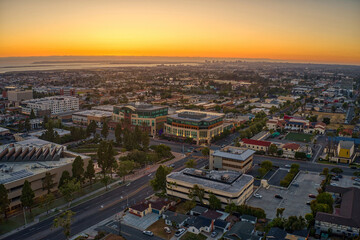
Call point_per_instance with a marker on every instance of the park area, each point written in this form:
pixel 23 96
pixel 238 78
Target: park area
pixel 299 137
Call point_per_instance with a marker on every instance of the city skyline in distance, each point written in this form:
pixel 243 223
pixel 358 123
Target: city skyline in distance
pixel 306 31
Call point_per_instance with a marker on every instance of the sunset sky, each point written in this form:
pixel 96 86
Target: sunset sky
pixel 306 30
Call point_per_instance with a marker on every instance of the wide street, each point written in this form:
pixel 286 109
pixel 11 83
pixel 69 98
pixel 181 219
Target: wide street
pixel 98 209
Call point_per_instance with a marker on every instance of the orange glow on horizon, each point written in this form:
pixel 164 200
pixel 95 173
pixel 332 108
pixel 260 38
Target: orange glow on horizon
pixel 320 31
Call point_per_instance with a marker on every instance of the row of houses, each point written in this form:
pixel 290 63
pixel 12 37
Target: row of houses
pixel 290 123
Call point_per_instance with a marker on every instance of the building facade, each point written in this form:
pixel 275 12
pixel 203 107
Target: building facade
pixel 228 186
pixel 30 160
pixel 85 117
pixel 146 116
pixel 345 152
pixel 231 158
pixel 55 105
pixel 198 125
pixel 19 95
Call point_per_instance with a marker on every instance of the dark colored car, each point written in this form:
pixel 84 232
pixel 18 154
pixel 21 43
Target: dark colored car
pixel 353 167
pixel 278 196
pixel 312 196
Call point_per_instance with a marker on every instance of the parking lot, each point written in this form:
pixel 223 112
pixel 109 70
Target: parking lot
pixel 141 223
pixel 278 176
pixel 346 181
pixel 294 199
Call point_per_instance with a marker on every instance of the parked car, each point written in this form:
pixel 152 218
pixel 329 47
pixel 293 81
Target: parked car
pixel 295 184
pixel 278 196
pixel 308 203
pixel 357 179
pixel 179 232
pixel 172 165
pixel 335 179
pixel 340 176
pixel 288 166
pixel 353 167
pixel 149 233
pixel 167 229
pixel 312 196
pixel 257 195
pixel 333 184
pixel 214 234
pixel 356 184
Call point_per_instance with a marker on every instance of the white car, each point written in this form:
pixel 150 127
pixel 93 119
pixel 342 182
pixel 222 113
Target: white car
pixel 179 232
pixel 257 195
pixel 149 233
pixel 333 184
pixel 288 166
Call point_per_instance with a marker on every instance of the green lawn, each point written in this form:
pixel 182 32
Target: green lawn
pixel 299 137
pixel 193 236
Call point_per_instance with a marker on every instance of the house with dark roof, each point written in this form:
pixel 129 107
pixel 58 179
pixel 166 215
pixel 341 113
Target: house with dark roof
pixel 346 219
pixel 175 219
pixel 243 231
pixel 156 206
pixel 198 210
pixel 276 233
pixel 140 209
pixel 248 218
pixel 211 214
pixel 199 224
pixel 221 225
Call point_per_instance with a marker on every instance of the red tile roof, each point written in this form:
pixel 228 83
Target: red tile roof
pixel 293 146
pixel 256 142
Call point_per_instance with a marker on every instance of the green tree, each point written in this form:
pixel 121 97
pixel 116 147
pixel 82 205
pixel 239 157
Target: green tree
pixel 145 141
pixel 214 202
pixel 262 171
pixel 118 134
pixel 205 151
pixel 78 168
pixel 106 158
pixel 197 193
pixel 272 149
pixel 4 200
pixel 27 124
pixel 90 171
pixel 91 128
pixel 325 171
pixel 159 181
pixel 124 168
pixel 280 212
pixel 326 121
pixel 231 208
pixel 46 201
pixel 69 189
pixel 48 182
pixel 300 155
pixel 65 176
pixel 267 165
pixel 188 205
pixel 27 195
pixel 105 130
pixel 64 221
pixel 191 163
pixel 336 170
pixel 32 114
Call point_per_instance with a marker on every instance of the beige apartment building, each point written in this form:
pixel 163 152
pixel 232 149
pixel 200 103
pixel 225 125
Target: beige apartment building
pixel 231 158
pixel 228 186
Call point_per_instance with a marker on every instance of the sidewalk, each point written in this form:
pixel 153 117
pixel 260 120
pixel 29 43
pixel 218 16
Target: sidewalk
pixel 136 175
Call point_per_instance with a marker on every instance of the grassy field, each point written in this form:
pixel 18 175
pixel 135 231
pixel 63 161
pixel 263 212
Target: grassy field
pixel 299 137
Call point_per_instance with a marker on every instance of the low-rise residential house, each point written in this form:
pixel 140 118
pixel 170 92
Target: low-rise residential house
pixel 198 210
pixel 289 149
pixel 221 225
pixel 199 224
pixel 242 230
pixel 248 218
pixel 140 209
pixel 175 219
pixel 158 206
pixel 276 233
pixel 296 124
pixel 345 220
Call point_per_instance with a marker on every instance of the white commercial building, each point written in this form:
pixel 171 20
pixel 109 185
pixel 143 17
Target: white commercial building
pixel 54 104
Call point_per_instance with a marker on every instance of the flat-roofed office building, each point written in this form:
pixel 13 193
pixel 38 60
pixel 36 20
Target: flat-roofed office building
pixel 147 116
pixel 199 125
pixel 228 186
pixel 231 158
pixel 31 160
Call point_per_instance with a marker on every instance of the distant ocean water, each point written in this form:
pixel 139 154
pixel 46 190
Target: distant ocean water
pixel 64 63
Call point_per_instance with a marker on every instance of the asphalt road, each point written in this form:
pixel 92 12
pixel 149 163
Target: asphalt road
pixel 96 210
